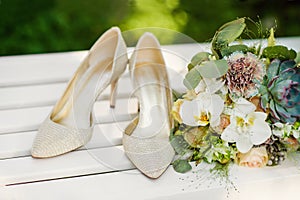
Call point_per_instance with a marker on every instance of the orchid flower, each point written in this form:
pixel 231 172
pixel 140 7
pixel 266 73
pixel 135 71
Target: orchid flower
pixel 246 128
pixel 205 109
pixel 201 106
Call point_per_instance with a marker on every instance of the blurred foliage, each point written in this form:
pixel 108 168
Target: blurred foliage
pixel 37 26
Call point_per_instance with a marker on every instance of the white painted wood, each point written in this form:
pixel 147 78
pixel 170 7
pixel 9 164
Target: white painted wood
pixel 19 144
pixel 25 119
pixel 39 68
pixel 48 94
pixel 275 183
pixel 27 169
pixel 28 119
pixel 30 96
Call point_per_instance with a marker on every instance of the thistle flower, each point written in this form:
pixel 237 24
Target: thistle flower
pixel 243 73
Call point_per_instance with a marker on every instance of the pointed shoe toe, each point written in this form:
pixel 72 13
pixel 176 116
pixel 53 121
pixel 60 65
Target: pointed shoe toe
pixel 152 156
pixel 54 139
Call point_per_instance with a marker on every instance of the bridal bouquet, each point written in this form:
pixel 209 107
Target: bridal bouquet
pixel 242 103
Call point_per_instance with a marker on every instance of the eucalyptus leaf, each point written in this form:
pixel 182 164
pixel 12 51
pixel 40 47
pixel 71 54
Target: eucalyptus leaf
pixel 181 166
pixel 207 69
pixel 228 33
pixel 231 31
pixel 198 58
pixel 192 79
pixel 213 68
pixel 179 144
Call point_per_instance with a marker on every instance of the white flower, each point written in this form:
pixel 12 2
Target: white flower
pixel 246 128
pixel 241 107
pixel 205 109
pixel 284 130
pixel 278 132
pixel 296 133
pixel 279 125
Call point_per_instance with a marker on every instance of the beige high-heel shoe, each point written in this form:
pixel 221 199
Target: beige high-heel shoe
pixel 70 124
pixel 146 139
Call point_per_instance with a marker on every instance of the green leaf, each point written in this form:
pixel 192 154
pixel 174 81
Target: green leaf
pixel 179 144
pixel 297 59
pixel 228 33
pixel 280 52
pixel 181 166
pixel 192 79
pixel 239 47
pixel 198 58
pixel 207 69
pixel 213 68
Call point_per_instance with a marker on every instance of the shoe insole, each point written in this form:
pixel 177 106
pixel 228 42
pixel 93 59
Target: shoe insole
pixel 151 90
pixel 94 75
pixel 84 94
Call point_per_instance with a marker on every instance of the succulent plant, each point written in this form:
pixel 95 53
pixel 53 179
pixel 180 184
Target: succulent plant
pixel 281 91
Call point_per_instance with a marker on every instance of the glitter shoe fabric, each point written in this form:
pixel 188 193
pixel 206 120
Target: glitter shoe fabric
pixel 151 155
pixel 54 139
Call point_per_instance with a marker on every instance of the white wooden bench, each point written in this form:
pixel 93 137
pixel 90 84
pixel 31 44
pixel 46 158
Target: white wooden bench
pixel 29 87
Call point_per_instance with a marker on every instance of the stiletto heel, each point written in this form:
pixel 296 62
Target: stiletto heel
pixel 113 93
pixel 70 124
pixel 146 139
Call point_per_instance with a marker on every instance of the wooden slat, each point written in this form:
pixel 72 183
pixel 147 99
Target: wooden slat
pixel 28 119
pixel 48 94
pixel 25 119
pixel 19 144
pixel 30 96
pixel 27 169
pixel 267 183
pixel 39 68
